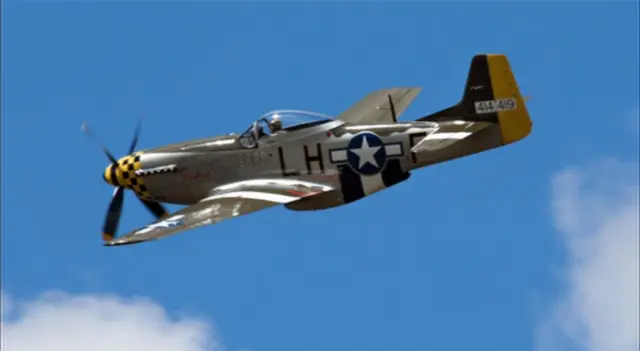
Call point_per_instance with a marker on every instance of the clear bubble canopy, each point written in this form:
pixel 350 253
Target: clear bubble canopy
pixel 293 118
pixel 290 120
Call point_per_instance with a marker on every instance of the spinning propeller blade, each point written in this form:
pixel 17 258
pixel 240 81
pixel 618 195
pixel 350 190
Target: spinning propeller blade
pixel 136 135
pixel 110 226
pixel 87 132
pixel 112 220
pixel 154 207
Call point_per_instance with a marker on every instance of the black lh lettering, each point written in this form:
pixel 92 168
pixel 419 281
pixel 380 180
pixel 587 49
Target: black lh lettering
pixel 316 158
pixel 414 138
pixel 283 165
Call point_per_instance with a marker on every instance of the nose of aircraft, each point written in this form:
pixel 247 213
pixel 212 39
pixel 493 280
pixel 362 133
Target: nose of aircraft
pixel 123 172
pixel 109 176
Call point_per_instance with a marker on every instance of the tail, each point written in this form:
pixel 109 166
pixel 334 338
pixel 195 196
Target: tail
pixel 491 95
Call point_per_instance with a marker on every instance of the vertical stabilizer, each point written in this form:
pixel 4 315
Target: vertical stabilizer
pixel 491 94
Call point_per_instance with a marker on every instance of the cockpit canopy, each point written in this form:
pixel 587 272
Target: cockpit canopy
pixel 280 121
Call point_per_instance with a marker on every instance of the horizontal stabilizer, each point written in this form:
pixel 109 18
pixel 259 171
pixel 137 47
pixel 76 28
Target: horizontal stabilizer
pixel 445 137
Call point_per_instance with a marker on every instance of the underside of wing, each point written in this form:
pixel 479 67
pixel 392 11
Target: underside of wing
pixel 382 106
pixel 447 135
pixel 225 202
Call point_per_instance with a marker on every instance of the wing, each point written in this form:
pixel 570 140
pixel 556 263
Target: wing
pixel 376 106
pixel 225 202
pixel 448 135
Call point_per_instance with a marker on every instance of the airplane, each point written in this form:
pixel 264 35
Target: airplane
pixel 309 161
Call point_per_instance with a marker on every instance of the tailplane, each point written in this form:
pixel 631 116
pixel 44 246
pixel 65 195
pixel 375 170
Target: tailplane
pixel 490 95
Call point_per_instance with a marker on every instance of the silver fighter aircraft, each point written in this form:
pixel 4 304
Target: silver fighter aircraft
pixel 309 161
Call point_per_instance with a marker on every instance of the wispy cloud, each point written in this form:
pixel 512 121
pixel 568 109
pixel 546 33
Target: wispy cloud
pixel 60 321
pixel 596 212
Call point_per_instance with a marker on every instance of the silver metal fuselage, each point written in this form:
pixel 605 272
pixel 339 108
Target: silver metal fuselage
pixel 185 173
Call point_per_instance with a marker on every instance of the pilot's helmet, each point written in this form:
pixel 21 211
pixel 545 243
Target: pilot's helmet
pixel 275 124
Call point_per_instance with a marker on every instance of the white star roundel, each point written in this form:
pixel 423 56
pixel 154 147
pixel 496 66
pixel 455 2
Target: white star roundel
pixel 366 153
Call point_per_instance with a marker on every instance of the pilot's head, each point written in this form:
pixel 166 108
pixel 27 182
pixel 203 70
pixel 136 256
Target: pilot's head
pixel 275 124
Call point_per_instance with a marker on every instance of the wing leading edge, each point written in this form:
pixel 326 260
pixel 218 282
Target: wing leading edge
pixel 225 202
pixel 376 107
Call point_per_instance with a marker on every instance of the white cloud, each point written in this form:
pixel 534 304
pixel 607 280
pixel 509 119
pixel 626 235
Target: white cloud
pixel 596 211
pixel 60 321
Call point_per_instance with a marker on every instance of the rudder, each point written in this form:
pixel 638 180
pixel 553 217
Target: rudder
pixel 492 95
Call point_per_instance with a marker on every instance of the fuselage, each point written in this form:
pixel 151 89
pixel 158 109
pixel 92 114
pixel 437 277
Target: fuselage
pixel 357 160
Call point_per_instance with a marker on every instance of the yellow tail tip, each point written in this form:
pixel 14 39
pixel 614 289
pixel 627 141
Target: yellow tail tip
pixel 515 123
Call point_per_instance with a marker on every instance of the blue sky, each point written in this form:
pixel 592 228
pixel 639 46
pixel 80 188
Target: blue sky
pixel 472 254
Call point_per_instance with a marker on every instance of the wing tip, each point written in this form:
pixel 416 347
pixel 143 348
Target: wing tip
pixel 122 243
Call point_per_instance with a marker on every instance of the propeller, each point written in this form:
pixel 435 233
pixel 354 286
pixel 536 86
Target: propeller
pixel 110 226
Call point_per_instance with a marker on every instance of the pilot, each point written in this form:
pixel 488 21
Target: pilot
pixel 275 124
